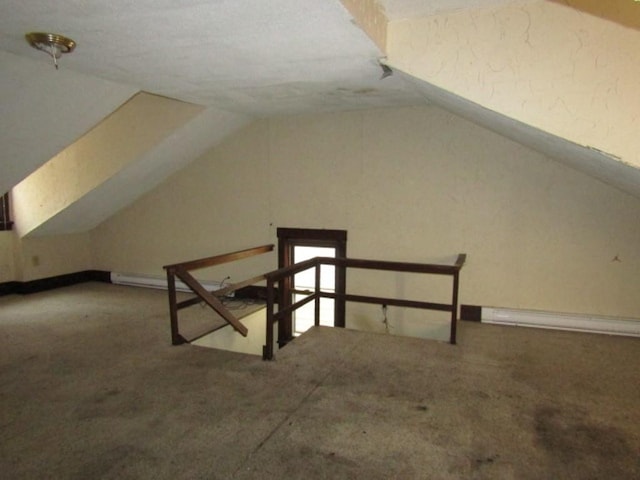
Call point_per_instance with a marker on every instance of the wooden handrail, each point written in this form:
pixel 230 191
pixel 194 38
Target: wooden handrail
pixel 392 302
pixel 300 303
pixel 220 259
pixel 281 273
pixel 181 270
pixel 434 269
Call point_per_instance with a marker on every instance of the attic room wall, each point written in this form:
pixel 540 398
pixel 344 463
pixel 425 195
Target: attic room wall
pixel 26 259
pixel 7 264
pixel 412 184
pixel 50 256
pixel 552 67
pixel 112 145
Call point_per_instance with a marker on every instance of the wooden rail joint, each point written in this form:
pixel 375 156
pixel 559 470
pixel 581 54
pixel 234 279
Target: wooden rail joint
pixel 181 270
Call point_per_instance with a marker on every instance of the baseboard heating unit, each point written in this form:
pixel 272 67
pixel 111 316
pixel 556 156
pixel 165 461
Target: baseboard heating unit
pixel 562 321
pixel 156 282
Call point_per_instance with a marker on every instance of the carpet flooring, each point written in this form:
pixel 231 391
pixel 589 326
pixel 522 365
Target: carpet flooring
pixel 90 388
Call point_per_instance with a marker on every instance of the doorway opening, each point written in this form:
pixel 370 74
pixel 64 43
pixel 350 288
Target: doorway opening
pixel 303 318
pixel 299 244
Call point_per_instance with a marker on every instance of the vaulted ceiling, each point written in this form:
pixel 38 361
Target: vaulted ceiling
pixel 242 59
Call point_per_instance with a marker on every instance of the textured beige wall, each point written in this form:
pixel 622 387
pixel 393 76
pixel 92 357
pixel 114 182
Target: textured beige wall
pixel 7 266
pixel 119 139
pixel 213 206
pixel 550 66
pixel 413 184
pixel 43 257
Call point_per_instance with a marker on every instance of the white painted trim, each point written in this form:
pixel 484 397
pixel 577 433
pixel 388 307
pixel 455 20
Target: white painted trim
pixel 155 282
pixel 562 321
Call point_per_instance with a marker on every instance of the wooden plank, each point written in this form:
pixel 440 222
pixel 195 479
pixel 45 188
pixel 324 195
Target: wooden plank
pixel 462 257
pixel 394 302
pixel 454 311
pixel 221 291
pixel 284 272
pixel 311 236
pixel 210 300
pixel 200 335
pixel 173 310
pixel 281 313
pixel 390 266
pixel 220 259
pixel 188 303
pixel 267 350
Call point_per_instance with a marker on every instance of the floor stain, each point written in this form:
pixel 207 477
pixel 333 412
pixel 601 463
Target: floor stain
pixel 120 461
pixel 486 460
pixel 574 442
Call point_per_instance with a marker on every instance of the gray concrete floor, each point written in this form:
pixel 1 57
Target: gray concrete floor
pixel 91 389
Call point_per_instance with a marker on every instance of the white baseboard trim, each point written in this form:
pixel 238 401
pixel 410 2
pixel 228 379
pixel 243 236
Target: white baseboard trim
pixel 133 280
pixel 562 321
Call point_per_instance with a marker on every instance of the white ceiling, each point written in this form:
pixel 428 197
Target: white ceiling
pixel 256 58
pixel 262 58
pixel 243 56
pixel 43 111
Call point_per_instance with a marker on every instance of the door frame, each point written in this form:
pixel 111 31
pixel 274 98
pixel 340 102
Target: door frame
pixel 288 238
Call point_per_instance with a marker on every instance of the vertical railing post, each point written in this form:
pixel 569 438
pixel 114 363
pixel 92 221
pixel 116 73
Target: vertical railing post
pixel 317 301
pixel 454 308
pixel 267 350
pixel 176 339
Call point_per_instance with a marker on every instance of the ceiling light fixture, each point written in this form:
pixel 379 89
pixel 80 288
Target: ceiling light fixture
pixel 52 44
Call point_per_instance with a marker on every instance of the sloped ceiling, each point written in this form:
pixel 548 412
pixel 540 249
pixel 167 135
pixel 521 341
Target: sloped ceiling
pixel 246 57
pixel 548 74
pixel 241 57
pixel 42 112
pixel 593 162
pixel 167 157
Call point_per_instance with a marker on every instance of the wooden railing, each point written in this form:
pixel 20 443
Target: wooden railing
pixel 276 280
pixel 278 276
pixel 181 271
